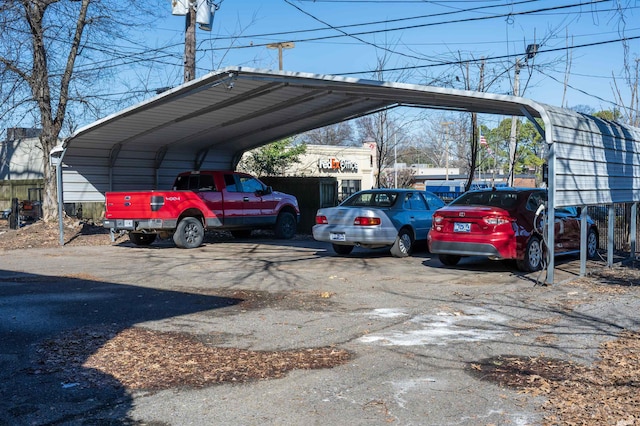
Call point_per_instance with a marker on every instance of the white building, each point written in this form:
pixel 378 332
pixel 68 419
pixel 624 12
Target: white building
pixel 353 167
pixel 21 155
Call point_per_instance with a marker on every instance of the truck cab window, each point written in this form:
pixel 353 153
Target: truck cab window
pixel 250 184
pixel 230 183
pixel 206 183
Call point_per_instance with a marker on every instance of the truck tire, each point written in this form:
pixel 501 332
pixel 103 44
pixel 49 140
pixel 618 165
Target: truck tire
pixel 285 226
pixel 241 233
pixel 189 233
pixel 141 239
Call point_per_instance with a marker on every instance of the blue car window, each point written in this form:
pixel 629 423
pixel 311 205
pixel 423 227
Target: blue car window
pixel 414 201
pixel 433 202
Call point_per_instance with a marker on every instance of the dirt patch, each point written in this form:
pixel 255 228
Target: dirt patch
pixel 137 358
pixel 253 299
pixel 42 234
pixel 604 394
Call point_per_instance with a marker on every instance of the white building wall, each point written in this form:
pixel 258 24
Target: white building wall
pixel 349 165
pixel 21 158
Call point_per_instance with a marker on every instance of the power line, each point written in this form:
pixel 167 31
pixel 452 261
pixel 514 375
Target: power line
pixel 499 57
pixel 615 104
pixel 357 34
pixel 382 22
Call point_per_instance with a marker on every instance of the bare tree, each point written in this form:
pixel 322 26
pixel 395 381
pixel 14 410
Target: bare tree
pixel 373 128
pixel 335 134
pixel 48 63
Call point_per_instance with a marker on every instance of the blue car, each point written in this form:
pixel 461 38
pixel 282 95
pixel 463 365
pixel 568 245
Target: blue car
pixel 375 218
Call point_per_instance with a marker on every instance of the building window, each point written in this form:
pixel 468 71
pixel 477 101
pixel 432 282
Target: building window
pixel 349 187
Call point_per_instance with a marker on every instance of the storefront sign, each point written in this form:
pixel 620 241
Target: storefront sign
pixel 337 165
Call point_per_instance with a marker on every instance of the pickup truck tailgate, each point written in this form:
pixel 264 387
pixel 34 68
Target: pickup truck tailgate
pixel 133 205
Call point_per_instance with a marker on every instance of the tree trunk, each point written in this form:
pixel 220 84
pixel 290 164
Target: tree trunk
pixel 50 193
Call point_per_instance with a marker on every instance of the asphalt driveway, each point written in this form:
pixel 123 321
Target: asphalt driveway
pixel 413 326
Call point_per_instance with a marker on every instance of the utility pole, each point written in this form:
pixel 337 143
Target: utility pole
pixel 280 46
pixel 195 12
pixel 190 45
pixel 532 51
pixel 514 128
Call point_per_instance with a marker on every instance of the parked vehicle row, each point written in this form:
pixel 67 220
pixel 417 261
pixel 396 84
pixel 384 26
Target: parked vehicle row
pixel 499 223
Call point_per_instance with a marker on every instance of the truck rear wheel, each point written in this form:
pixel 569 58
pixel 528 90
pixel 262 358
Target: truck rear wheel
pixel 141 239
pixel 286 226
pixel 189 233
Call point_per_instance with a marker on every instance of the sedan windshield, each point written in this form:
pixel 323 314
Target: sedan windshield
pixel 371 199
pixel 502 199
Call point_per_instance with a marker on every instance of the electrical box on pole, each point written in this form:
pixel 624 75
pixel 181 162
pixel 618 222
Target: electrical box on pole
pixel 195 12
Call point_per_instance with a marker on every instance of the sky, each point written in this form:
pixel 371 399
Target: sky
pixel 424 42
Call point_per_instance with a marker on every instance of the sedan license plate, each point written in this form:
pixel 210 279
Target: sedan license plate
pixel 461 227
pixel 337 236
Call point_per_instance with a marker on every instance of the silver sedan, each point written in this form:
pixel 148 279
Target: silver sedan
pixel 375 218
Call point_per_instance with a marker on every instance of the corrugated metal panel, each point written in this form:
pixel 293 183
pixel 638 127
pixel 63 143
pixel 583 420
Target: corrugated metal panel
pixel 596 161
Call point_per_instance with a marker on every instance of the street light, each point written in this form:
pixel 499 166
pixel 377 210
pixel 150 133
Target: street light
pixel 280 46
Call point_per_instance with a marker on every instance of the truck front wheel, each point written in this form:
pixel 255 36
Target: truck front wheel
pixel 286 226
pixel 189 233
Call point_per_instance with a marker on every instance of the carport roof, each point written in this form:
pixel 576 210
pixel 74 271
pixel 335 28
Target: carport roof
pixel 236 109
pixel 227 112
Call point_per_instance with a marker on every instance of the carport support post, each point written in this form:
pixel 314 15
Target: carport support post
pixel 634 228
pixel 610 229
pixel 583 241
pixel 551 207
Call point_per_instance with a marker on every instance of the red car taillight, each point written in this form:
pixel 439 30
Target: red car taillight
pixel 321 220
pixel 497 220
pixel 366 221
pixel 437 219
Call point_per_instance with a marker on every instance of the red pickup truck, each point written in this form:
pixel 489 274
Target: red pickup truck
pixel 201 200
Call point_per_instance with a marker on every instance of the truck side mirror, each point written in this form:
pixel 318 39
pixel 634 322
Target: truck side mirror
pixel 264 191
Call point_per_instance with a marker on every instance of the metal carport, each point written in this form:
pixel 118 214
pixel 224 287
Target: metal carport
pixel 209 122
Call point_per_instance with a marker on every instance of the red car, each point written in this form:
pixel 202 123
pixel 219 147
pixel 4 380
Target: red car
pixel 499 223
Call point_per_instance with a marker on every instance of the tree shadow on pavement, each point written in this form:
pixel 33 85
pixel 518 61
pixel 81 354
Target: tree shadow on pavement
pixel 34 308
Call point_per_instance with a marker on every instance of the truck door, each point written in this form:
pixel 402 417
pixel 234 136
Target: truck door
pixel 233 201
pixel 212 197
pixel 252 196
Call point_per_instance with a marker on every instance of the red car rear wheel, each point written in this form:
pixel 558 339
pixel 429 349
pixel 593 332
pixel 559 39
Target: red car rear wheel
pixel 533 256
